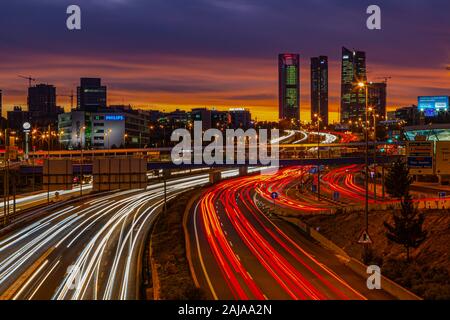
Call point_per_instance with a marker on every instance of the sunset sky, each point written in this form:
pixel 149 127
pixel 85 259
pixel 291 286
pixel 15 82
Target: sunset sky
pixel 167 54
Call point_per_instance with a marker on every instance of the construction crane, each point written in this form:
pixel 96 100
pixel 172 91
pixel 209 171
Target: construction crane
pixel 70 96
pixel 30 79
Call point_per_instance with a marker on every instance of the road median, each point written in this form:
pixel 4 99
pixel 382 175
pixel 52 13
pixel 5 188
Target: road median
pixel 167 256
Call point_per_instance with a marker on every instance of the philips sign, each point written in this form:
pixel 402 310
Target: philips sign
pixel 114 118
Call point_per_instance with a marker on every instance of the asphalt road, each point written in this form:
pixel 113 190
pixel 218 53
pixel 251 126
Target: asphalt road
pixel 88 250
pixel 240 253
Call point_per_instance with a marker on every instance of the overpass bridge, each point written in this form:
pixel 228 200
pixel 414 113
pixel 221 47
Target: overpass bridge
pixel 168 165
pixel 160 158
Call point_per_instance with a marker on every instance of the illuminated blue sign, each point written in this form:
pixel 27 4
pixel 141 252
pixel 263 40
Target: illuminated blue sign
pixel 114 117
pixel 431 105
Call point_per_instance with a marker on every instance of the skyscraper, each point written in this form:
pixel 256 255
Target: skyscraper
pixel 289 87
pixel 377 97
pixel 42 99
pixel 353 102
pixel 319 88
pixel 91 95
pixel 42 107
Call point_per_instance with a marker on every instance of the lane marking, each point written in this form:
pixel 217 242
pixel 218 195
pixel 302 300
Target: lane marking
pixel 20 282
pixel 208 280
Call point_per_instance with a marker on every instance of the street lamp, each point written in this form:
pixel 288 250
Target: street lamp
pixel 365 86
pixel 125 136
pixel 48 135
pixel 375 115
pixel 318 154
pixel 82 140
pixel 107 134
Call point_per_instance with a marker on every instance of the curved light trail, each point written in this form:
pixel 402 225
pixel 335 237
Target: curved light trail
pixel 87 250
pixel 244 242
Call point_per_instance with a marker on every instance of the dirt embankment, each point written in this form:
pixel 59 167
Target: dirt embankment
pixel 168 274
pixel 428 273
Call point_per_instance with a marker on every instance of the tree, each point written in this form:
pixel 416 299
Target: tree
pixel 398 180
pixel 407 227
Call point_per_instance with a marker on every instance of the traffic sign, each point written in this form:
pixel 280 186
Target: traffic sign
pixel 364 238
pixel 420 156
pixel 274 195
pixel 313 170
pixel 443 157
pixel 420 162
pixel 336 195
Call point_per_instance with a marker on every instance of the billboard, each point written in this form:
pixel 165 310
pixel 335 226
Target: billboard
pixel 431 105
pixel 420 156
pixel 443 157
pixel 57 174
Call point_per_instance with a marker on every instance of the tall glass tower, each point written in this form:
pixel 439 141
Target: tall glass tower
pixel 319 88
pixel 353 70
pixel 289 87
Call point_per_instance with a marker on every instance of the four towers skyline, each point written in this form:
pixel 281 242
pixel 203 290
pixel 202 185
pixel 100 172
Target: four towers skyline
pixel 352 101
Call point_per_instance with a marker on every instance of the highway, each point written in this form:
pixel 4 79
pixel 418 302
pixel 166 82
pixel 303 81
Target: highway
pixel 88 250
pixel 240 253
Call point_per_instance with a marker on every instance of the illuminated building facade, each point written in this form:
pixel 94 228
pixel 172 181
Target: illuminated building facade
pixel 289 87
pixel 353 101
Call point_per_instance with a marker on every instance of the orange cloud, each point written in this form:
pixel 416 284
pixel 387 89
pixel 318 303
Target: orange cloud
pixel 169 82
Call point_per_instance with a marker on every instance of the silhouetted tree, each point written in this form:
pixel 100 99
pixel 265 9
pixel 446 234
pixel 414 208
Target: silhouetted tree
pixel 407 227
pixel 398 180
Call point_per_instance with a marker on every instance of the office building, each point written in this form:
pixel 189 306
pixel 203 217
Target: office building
pixel 410 115
pixel 319 89
pixel 220 119
pixel 203 115
pixel 91 95
pixel 42 107
pixel 377 98
pixel 240 118
pixel 118 127
pixel 289 87
pixel 177 118
pixel 17 117
pixel 353 101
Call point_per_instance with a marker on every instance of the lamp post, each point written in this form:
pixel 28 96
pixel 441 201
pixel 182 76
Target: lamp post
pixel 108 135
pixel 374 152
pixel 125 136
pixel 48 136
pixel 61 134
pixel 365 86
pixel 82 138
pixel 318 155
pixel 6 182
